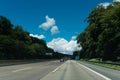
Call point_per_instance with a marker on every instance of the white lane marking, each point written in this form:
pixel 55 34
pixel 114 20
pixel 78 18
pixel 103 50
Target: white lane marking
pixel 23 69
pixel 58 67
pixel 106 78
pixel 54 70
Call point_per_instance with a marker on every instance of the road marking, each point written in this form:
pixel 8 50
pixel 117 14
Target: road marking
pixel 54 70
pixel 106 78
pixel 23 69
pixel 58 67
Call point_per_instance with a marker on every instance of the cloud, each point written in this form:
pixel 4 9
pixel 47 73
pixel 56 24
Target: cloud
pixel 116 0
pixel 54 30
pixel 74 37
pixel 38 36
pixel 49 23
pixel 63 46
pixel 105 5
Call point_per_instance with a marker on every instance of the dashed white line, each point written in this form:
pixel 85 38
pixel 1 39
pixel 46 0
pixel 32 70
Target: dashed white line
pixel 23 69
pixel 54 70
pixel 58 67
pixel 106 78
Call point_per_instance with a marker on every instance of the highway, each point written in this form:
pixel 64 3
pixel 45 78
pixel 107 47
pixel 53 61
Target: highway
pixel 55 70
pixel 72 70
pixel 32 71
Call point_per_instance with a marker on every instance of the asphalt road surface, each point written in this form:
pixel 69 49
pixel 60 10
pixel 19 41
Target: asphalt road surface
pixel 32 71
pixel 55 70
pixel 72 70
pixel 111 73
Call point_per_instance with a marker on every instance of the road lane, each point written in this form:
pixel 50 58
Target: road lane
pixel 111 73
pixel 22 69
pixel 55 70
pixel 71 70
pixel 33 71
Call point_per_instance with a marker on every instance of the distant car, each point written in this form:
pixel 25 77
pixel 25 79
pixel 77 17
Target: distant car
pixel 61 60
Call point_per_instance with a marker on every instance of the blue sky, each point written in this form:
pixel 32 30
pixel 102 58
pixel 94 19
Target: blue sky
pixel 69 15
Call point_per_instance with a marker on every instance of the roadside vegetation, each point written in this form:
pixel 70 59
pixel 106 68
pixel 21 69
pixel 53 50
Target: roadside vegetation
pixel 17 44
pixel 101 38
pixel 111 65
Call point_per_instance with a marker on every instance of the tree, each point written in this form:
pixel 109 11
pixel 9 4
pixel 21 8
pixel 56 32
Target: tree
pixel 20 34
pixel 5 26
pixel 101 37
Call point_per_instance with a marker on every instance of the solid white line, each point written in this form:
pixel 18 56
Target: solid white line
pixel 106 78
pixel 22 69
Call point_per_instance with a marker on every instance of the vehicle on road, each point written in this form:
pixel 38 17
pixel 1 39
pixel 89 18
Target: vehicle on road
pixel 61 60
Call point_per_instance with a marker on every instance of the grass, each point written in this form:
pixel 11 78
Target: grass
pixel 112 66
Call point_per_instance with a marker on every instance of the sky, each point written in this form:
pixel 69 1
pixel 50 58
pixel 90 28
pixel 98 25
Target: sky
pixel 58 22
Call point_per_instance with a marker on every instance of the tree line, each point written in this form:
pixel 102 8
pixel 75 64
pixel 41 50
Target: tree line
pixel 101 38
pixel 15 43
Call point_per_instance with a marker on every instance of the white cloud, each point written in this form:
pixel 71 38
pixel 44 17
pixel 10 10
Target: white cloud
pixel 54 30
pixel 116 0
pixel 105 5
pixel 63 46
pixel 38 36
pixel 49 23
pixel 74 37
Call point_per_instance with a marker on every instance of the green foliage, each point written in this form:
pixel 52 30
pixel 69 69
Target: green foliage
pixel 5 26
pixel 21 35
pixel 5 46
pixel 15 43
pixel 101 38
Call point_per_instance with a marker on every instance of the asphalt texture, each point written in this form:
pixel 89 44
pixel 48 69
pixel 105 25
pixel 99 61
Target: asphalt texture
pixel 56 70
pixel 111 73
pixel 32 71
pixel 72 70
